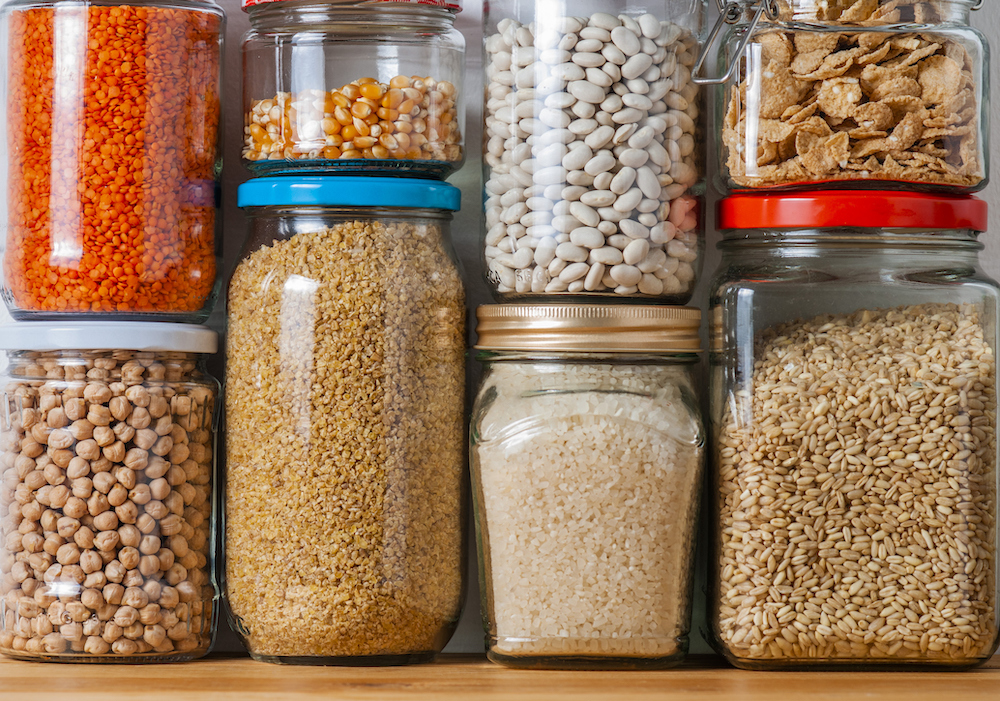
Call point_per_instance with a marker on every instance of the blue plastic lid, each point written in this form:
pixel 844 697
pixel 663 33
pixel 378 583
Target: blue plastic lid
pixel 348 191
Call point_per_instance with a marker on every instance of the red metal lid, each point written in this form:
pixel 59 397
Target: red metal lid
pixel 862 209
pixel 453 5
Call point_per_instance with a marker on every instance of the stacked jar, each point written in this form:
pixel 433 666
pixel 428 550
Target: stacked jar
pixel 586 439
pixel 344 534
pixel 854 339
pixel 107 433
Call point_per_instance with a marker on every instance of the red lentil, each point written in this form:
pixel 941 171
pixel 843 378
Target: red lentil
pixel 112 154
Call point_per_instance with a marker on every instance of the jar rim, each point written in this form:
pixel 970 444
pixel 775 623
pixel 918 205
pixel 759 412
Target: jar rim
pixel 108 335
pixel 588 328
pixel 348 191
pixel 866 209
pixel 453 6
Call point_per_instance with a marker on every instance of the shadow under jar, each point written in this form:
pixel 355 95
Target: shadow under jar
pixel 108 471
pixel 876 94
pixel 345 373
pixel 853 392
pixel 592 151
pixel 111 159
pixel 587 450
pixel 350 86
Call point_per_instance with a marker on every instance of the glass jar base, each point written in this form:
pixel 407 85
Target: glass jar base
pixel 359 661
pixel 584 662
pixel 436 170
pixel 852 665
pixel 77 658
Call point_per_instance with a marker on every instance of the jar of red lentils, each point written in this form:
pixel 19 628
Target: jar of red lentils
pixel 112 158
pixel 353 86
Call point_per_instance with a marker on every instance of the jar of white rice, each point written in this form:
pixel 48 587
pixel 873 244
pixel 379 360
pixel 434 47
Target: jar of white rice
pixel 586 452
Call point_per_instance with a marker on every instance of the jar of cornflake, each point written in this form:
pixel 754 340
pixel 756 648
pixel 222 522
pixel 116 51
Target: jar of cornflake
pixel 586 453
pixel 853 93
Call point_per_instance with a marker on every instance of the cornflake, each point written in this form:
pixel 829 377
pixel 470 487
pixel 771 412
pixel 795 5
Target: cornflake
pixel 856 104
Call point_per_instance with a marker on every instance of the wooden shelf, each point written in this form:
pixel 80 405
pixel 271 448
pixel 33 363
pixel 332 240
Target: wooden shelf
pixel 472 678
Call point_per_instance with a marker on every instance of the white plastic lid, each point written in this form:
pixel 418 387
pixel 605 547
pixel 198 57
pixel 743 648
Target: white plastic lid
pixel 107 335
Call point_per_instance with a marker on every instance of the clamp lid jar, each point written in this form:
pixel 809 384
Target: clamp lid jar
pixel 853 94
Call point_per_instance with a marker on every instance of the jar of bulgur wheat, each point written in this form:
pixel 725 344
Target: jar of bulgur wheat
pixel 107 433
pixel 353 86
pixel 874 94
pixel 344 414
pixel 586 448
pixel 853 390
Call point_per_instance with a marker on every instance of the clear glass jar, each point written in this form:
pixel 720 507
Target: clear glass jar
pixel 353 86
pixel 108 462
pixel 112 158
pixel 853 393
pixel 345 444
pixel 592 150
pixel 586 451
pixel 866 94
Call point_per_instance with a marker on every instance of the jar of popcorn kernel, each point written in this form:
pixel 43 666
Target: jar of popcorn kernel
pixel 853 403
pixel 854 94
pixel 353 86
pixel 107 433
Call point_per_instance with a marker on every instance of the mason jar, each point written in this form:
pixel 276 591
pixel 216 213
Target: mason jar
pixel 853 391
pixel 352 86
pixel 345 447
pixel 112 158
pixel 592 150
pixel 877 95
pixel 586 452
pixel 108 458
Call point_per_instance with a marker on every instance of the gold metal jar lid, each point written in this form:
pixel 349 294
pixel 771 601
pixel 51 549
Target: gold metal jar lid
pixel 590 328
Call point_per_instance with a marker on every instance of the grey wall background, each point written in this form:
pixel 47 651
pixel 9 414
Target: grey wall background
pixel 466 230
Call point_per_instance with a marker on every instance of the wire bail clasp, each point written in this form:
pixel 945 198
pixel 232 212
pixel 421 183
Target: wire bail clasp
pixel 730 12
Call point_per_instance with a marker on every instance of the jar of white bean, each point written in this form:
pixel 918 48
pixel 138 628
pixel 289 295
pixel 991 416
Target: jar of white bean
pixel 586 453
pixel 353 86
pixel 107 451
pixel 593 164
pixel 854 412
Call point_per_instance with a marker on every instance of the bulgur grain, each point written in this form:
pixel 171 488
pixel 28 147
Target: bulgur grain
pixel 344 410
pixel 858 505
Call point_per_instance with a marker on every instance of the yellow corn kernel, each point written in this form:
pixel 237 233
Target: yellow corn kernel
pixel 365 142
pixel 402 140
pixel 361 109
pixel 400 81
pixel 331 152
pixel 404 127
pixel 365 81
pixel 387 114
pixel 387 127
pixel 362 127
pixel 388 141
pixel 343 116
pixel 407 106
pixel 352 153
pixel 351 92
pixel 373 91
pixel 340 100
pixel 349 132
pixel 380 152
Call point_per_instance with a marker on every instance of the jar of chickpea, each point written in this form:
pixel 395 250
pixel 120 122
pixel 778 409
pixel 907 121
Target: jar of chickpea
pixel 353 86
pixel 107 447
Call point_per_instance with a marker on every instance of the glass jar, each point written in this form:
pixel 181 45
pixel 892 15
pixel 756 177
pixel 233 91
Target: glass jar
pixel 592 148
pixel 586 451
pixel 853 392
pixel 345 442
pixel 107 432
pixel 112 158
pixel 353 86
pixel 867 94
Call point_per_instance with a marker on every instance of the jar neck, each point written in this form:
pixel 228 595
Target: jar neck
pixel 350 18
pixel 827 12
pixel 845 243
pixel 562 358
pixel 109 366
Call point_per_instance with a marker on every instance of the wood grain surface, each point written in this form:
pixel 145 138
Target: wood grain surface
pixel 226 677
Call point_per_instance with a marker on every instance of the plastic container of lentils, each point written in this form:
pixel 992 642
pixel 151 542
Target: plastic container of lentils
pixel 877 94
pixel 853 385
pixel 587 448
pixel 112 159
pixel 108 459
pixel 345 446
pixel 593 178
pixel 353 86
